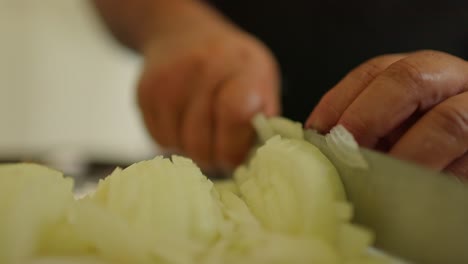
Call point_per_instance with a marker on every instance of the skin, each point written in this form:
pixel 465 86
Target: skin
pixel 414 106
pixel 199 91
pixel 204 79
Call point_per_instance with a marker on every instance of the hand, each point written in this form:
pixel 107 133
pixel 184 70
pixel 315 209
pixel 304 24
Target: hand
pixel 201 85
pixel 415 106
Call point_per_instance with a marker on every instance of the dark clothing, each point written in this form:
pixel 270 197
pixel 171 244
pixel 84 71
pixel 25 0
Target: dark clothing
pixel 318 42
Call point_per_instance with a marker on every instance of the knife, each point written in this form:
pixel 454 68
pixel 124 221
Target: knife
pixel 417 214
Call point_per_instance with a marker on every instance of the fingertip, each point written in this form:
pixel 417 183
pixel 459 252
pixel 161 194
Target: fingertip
pixel 318 121
pixel 232 142
pixel 232 148
pixel 314 123
pixel 326 114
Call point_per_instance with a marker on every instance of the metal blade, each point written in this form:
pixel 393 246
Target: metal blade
pixel 417 214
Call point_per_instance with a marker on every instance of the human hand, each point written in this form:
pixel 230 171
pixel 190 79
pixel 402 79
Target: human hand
pixel 414 106
pixel 202 83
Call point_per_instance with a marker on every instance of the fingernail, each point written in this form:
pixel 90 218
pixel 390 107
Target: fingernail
pixel 314 123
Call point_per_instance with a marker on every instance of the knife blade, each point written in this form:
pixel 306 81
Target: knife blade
pixel 417 214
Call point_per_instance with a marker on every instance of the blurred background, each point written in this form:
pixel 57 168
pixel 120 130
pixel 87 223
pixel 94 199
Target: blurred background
pixel 67 95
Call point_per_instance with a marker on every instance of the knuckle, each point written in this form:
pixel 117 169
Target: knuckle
pixel 369 70
pixel 407 73
pixel 216 44
pixel 162 91
pixel 453 121
pixel 245 54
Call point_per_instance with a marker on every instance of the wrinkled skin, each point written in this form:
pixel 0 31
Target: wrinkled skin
pixel 414 106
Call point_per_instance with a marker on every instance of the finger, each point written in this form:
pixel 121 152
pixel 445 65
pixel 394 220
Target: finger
pixel 198 122
pixel 197 130
pixel 198 137
pixel 413 84
pixel 164 139
pixel 459 167
pixel 387 142
pixel 439 137
pixel 162 95
pixel 335 102
pixel 236 104
pixel 162 122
